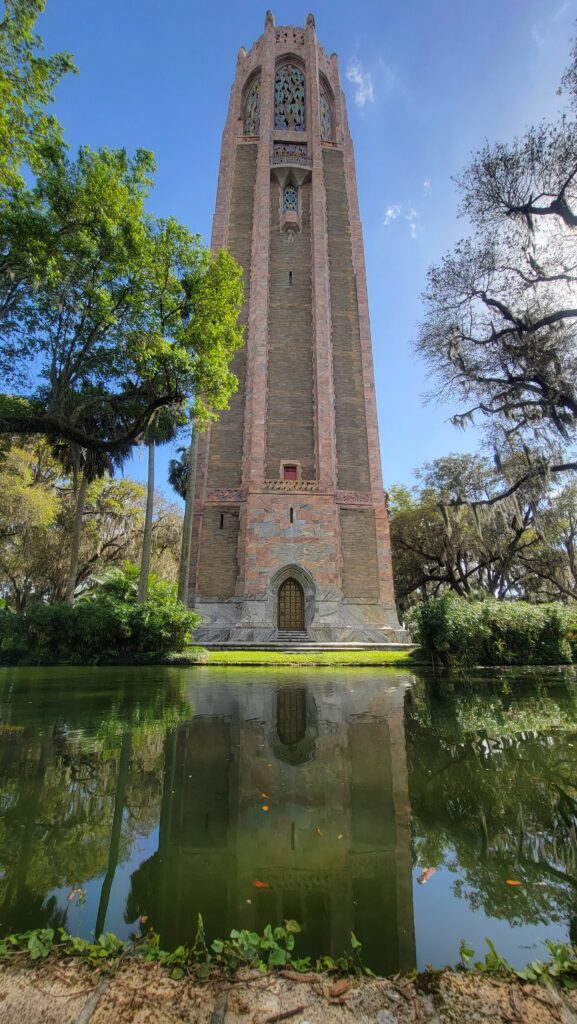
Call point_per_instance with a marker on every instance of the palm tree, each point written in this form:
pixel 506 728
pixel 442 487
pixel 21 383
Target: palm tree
pixel 178 472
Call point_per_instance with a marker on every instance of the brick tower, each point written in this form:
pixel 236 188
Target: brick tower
pixel 291 528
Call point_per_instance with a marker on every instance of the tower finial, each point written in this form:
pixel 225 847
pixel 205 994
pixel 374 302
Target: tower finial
pixel 310 21
pixel 269 20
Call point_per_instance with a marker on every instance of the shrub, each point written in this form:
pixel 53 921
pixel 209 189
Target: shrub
pixel 465 631
pixel 106 625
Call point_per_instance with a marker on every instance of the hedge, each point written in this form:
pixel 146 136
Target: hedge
pixel 457 631
pixel 107 626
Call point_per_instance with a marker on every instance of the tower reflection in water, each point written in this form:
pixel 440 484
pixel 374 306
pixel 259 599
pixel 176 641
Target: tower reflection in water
pixel 302 788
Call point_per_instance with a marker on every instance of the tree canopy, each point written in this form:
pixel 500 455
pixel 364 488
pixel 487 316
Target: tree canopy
pixel 107 314
pixel 448 533
pixel 27 80
pixel 501 308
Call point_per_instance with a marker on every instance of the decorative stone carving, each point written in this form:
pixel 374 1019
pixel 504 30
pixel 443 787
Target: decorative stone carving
pixel 306 486
pixel 289 98
pixel 354 497
pixel 291 153
pixel 223 494
pixel 287 35
pixel 326 117
pixel 251 123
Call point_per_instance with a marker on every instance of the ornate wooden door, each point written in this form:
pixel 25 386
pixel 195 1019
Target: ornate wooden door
pixel 291 605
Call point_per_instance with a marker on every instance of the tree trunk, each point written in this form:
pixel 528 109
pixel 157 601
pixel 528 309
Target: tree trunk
pixel 184 568
pixel 115 831
pixel 76 535
pixel 147 539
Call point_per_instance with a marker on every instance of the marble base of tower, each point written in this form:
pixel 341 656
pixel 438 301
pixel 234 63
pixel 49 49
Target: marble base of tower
pixel 249 621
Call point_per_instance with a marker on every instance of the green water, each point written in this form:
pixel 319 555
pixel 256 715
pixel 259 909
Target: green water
pixel 163 793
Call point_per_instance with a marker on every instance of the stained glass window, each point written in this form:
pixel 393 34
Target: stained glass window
pixel 289 98
pixel 290 199
pixel 252 110
pixel 326 117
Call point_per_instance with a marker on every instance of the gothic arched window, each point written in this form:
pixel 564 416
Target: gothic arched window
pixel 289 98
pixel 290 199
pixel 251 118
pixel 326 117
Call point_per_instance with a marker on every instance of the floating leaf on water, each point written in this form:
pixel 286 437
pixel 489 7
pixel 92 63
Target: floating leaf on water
pixel 265 807
pixel 318 831
pixel 260 885
pixel 512 881
pixel 340 835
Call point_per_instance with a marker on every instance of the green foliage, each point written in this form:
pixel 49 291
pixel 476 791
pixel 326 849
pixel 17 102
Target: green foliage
pixel 110 315
pixel 27 81
pixel 561 968
pixel 108 626
pixel 37 505
pixel 121 584
pixel 460 631
pixel 245 948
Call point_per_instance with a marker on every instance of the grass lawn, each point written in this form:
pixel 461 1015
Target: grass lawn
pixel 311 658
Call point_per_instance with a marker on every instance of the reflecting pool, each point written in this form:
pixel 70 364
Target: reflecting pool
pixel 386 803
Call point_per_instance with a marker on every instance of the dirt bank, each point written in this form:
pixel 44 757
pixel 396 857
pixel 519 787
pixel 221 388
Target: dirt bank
pixel 60 993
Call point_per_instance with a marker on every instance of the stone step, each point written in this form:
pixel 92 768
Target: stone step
pixel 291 636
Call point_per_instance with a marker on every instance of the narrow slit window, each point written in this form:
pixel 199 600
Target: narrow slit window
pixel 291 515
pixel 290 200
pixel 222 520
pixel 290 277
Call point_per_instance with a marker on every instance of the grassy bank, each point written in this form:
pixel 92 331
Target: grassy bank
pixel 330 658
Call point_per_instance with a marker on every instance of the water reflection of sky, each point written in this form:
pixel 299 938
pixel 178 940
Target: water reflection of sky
pixel 441 921
pixel 334 789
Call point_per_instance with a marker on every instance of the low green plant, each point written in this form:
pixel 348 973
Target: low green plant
pixel 274 948
pixel 458 631
pixel 561 968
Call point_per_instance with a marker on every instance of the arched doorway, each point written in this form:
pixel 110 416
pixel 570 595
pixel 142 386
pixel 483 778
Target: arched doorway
pixel 291 605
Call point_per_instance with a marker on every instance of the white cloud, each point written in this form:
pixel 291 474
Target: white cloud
pixel 364 92
pixel 391 214
pixel 426 188
pixel 407 213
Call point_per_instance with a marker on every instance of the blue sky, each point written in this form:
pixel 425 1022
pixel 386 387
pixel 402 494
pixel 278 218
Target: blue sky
pixel 426 83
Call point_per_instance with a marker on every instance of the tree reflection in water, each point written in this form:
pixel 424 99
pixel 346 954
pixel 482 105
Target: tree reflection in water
pixel 493 784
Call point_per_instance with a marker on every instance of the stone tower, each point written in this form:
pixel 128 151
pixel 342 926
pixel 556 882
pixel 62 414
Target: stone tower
pixel 291 528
